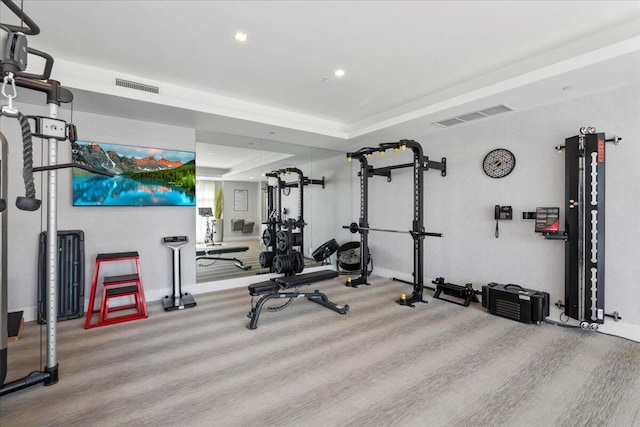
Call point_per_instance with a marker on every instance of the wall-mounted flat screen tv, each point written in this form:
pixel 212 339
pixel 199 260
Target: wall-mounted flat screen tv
pixel 141 176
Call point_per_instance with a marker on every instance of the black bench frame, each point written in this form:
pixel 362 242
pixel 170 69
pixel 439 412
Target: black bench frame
pixel 280 288
pixel 207 255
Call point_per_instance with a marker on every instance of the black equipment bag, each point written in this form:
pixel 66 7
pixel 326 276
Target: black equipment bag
pixel 515 302
pixel 70 275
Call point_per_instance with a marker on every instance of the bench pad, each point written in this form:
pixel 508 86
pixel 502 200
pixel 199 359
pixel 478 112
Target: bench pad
pixel 306 279
pixel 227 250
pixel 263 288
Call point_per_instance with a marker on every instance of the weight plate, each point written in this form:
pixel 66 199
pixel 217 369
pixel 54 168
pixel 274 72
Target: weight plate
pixel 349 256
pixel 325 250
pixel 266 259
pixel 267 238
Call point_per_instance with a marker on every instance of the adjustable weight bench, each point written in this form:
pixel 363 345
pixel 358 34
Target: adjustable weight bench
pixel 207 255
pixel 280 288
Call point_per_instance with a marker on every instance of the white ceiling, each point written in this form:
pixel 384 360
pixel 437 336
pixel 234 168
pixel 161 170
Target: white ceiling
pixel 408 64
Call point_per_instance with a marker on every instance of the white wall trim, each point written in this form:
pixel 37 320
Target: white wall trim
pixel 610 327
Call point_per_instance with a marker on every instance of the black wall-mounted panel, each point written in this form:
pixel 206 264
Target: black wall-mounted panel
pixel 70 289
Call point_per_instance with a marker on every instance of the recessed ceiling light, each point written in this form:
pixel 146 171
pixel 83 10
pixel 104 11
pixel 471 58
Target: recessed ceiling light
pixel 240 36
pixel 339 72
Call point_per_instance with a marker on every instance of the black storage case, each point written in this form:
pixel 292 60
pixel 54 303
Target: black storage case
pixel 515 302
pixel 70 275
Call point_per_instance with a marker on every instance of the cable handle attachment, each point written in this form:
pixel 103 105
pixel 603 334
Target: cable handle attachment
pixel 29 201
pixel 9 110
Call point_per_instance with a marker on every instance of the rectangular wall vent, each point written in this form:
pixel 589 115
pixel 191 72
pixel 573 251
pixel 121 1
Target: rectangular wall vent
pixel 475 115
pixel 472 116
pixel 496 110
pixel 137 86
pixel 449 122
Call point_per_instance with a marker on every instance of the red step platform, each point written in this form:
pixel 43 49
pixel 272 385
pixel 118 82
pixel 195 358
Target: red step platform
pixel 113 287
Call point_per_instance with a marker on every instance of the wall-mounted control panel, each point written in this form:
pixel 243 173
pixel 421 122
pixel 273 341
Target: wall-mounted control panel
pixel 547 220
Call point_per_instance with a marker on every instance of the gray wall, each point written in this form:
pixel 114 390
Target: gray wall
pixel 461 205
pixel 106 229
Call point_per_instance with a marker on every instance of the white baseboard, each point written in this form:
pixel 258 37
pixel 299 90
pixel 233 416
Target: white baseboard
pixel 239 282
pixel 610 327
pixel 621 329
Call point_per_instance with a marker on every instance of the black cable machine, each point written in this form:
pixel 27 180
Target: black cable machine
pixel 419 165
pixel 13 62
pixel 585 226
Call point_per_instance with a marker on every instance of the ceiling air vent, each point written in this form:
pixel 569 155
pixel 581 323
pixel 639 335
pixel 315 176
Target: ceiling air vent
pixel 471 116
pixel 496 110
pixel 449 122
pixel 481 114
pixel 137 86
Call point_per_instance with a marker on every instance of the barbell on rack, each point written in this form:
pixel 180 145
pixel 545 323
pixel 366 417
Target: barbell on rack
pixel 355 228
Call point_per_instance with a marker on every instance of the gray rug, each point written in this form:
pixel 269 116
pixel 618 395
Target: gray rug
pixel 381 364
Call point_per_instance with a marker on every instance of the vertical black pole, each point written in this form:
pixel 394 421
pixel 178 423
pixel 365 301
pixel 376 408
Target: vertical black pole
pixel 363 221
pixel 594 222
pixel 418 223
pixel 571 217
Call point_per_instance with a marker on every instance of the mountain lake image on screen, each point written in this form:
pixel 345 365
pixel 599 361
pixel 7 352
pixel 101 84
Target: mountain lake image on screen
pixel 133 176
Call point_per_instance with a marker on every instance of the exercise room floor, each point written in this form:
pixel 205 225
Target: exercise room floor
pixel 438 364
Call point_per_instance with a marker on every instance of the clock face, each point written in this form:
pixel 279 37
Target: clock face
pixel 499 163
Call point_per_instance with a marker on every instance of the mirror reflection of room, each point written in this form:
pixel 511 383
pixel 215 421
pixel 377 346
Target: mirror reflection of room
pixel 228 244
pixel 233 213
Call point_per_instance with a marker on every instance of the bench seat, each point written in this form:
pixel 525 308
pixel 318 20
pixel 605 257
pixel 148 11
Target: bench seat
pixel 262 288
pixel 280 288
pixel 306 279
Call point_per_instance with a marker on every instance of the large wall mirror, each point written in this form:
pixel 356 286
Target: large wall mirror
pixel 232 200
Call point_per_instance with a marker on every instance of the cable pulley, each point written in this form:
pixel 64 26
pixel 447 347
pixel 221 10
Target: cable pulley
pixel 355 228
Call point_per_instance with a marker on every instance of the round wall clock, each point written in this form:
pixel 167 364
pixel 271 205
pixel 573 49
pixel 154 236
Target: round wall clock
pixel 499 163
